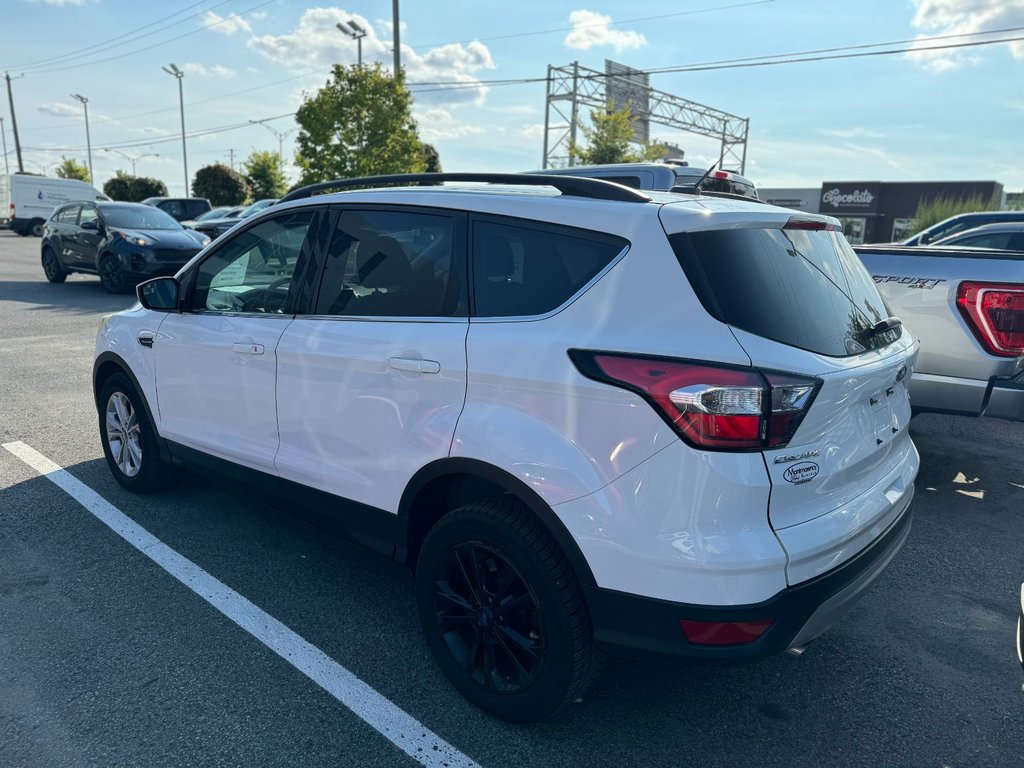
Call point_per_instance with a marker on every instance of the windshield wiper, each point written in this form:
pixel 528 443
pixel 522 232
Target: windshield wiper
pixel 889 324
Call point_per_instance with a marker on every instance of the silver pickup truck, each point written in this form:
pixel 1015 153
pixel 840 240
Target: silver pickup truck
pixel 966 305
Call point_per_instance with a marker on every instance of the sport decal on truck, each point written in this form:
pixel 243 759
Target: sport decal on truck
pixel 927 283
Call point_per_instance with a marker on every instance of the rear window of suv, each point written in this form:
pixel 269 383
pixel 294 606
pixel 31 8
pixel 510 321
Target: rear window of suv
pixel 804 288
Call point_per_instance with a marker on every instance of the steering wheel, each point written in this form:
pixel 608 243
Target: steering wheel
pixel 261 299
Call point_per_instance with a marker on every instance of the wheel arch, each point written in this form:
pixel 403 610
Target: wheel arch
pixel 106 365
pixel 445 484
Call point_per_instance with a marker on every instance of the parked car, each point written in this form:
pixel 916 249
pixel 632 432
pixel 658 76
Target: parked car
pixel 27 201
pixel 1004 236
pixel 967 307
pixel 959 223
pixel 220 212
pixel 180 208
pixel 123 243
pixel 215 227
pixel 663 176
pixel 589 421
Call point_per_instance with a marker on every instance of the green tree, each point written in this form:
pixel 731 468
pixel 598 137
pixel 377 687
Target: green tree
pixel 431 159
pixel 133 189
pixel 220 185
pixel 70 169
pixel 609 139
pixel 359 124
pixel 264 175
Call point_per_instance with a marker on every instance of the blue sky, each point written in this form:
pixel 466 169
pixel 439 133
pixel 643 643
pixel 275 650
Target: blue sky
pixel 926 116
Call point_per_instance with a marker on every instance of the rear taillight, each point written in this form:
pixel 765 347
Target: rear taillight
pixel 710 406
pixel 995 314
pixel 812 223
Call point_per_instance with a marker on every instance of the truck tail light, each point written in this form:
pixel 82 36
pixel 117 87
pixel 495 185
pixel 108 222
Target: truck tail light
pixel 995 314
pixel 710 406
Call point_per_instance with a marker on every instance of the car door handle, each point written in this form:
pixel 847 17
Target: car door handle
pixel 247 348
pixel 414 365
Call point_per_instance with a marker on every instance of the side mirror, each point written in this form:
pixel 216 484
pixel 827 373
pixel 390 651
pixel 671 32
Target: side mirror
pixel 160 294
pixel 92 226
pixel 924 239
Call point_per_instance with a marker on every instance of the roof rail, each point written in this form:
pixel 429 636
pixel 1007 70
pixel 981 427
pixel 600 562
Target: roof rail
pixel 576 186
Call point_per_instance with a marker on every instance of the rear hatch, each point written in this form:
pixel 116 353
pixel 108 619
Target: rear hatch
pixel 801 304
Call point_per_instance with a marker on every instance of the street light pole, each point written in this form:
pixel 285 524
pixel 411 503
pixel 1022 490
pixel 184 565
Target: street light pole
pixel 133 159
pixel 175 72
pixel 357 33
pixel 281 136
pixel 397 38
pixel 88 140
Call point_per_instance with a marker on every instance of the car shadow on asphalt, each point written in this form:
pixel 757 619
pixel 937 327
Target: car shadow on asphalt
pixel 84 296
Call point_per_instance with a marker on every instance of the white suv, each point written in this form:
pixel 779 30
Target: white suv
pixel 589 419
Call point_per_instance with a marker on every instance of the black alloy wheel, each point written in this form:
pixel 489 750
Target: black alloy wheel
pixel 489 618
pixel 52 268
pixel 503 612
pixel 112 275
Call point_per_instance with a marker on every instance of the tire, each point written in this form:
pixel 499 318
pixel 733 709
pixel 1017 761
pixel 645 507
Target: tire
pixel 139 469
pixel 52 268
pixel 518 643
pixel 112 275
pixel 36 227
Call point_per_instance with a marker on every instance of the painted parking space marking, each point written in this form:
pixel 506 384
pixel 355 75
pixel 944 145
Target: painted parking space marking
pixel 392 722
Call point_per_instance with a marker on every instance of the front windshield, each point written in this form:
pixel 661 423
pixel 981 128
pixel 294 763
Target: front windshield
pixel 216 213
pixel 141 217
pixel 256 208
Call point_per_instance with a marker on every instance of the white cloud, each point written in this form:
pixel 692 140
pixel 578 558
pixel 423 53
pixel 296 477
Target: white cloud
pixel 436 124
pixel 225 25
pixel 591 29
pixel 316 42
pixel 532 131
pixel 213 71
pixel 62 110
pixel 858 132
pixel 952 17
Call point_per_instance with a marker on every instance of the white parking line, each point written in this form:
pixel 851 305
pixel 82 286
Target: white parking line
pixel 401 729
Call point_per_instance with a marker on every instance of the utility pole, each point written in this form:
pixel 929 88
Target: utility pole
pixel 397 39
pixel 173 71
pixel 3 138
pixel 88 141
pixel 231 158
pixel 14 123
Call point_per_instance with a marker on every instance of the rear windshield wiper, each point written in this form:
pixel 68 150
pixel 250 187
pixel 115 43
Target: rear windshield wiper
pixel 889 324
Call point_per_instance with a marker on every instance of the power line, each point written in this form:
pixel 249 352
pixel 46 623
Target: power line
pixel 151 46
pixel 119 39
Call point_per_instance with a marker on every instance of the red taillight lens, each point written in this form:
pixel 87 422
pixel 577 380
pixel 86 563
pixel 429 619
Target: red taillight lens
pixel 723 632
pixel 721 175
pixel 710 406
pixel 811 223
pixel 995 314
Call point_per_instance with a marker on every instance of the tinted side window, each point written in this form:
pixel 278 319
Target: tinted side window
pixel 253 271
pixel 88 214
pixel 174 208
pixel 68 215
pixel 999 240
pixel 196 208
pixel 393 264
pixel 519 271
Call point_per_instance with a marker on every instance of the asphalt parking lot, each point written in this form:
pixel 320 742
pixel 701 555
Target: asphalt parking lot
pixel 105 659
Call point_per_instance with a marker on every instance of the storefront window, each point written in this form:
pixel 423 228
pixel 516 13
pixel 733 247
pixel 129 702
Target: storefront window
pixel 853 228
pixel 903 229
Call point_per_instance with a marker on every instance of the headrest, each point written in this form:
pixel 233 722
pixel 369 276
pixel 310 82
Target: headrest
pixel 382 263
pixel 498 261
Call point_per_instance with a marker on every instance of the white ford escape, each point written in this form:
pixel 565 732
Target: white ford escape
pixel 589 419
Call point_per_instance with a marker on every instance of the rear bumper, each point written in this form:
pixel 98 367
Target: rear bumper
pixel 998 397
pixel 631 625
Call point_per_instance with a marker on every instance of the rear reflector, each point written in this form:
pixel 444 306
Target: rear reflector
pixel 710 406
pixel 995 314
pixel 723 632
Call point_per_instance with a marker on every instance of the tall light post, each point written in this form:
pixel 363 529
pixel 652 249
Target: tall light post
pixel 395 27
pixel 357 33
pixel 133 159
pixel 175 72
pixel 88 141
pixel 281 136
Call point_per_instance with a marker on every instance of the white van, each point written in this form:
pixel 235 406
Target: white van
pixel 27 201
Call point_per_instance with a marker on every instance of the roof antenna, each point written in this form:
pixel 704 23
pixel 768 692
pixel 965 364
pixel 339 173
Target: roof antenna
pixel 707 173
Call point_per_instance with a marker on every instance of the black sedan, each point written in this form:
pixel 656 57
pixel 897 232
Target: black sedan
pixel 123 243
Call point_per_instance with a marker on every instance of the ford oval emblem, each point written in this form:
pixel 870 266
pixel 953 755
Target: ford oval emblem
pixel 901 373
pixel 800 473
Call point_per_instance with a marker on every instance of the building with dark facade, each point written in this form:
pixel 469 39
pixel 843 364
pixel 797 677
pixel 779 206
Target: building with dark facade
pixel 879 211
